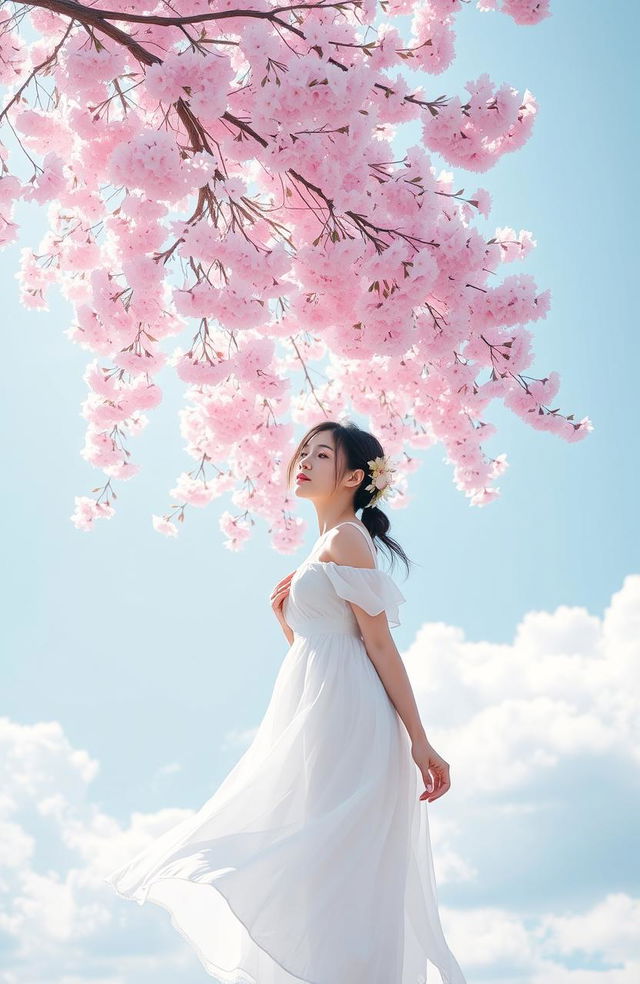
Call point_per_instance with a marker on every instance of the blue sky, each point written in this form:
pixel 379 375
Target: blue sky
pixel 158 656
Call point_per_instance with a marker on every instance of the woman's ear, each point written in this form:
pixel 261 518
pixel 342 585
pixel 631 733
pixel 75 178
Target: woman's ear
pixel 356 478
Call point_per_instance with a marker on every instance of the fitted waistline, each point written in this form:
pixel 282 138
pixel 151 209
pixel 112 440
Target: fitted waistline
pixel 322 629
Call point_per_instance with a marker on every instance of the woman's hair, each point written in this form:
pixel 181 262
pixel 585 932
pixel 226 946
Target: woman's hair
pixel 354 449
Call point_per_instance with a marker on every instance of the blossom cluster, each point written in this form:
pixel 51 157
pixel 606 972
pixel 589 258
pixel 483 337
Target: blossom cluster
pixel 234 182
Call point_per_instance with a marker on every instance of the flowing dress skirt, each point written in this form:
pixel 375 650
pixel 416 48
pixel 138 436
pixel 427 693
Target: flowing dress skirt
pixel 311 863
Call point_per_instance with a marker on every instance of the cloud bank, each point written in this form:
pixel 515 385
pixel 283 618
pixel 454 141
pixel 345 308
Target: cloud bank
pixel 535 844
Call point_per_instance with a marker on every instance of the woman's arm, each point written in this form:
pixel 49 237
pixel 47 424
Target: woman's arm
pixel 391 670
pixel 384 655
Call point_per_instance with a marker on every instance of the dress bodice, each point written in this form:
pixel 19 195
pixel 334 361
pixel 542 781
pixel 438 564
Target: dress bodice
pixel 320 592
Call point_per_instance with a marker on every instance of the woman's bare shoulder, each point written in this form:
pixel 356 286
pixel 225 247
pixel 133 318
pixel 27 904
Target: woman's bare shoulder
pixel 346 545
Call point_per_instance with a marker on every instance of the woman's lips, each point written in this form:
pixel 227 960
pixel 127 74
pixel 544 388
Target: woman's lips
pixel 302 478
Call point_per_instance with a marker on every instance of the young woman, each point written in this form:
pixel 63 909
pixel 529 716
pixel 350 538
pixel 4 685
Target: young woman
pixel 311 863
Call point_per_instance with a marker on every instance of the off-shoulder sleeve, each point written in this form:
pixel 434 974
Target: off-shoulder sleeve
pixel 370 588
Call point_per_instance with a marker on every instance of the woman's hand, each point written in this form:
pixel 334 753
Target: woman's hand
pixel 277 599
pixel 434 769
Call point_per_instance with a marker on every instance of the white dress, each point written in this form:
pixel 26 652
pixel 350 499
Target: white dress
pixel 311 863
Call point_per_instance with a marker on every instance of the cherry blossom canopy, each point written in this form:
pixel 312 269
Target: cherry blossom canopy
pixel 229 178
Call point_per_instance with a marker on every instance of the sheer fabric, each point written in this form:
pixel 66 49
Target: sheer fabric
pixel 311 863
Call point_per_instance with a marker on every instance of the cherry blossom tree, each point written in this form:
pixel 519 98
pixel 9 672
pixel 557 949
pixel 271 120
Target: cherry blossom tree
pixel 226 176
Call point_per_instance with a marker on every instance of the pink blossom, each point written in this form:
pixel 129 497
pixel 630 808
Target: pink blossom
pixel 195 492
pixel 44 131
pixel 525 11
pixel 163 525
pixel 124 470
pixel 187 74
pixel 87 510
pixel 48 184
pixel 250 198
pixel 13 54
pixel 151 163
pixel 146 361
pixel 237 532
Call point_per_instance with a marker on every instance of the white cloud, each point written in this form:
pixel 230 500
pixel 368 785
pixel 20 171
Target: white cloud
pixel 610 929
pixel 486 937
pixel 532 949
pixel 568 684
pixel 55 847
pixel 16 846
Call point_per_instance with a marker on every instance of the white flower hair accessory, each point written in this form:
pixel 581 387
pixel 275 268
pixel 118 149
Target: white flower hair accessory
pixel 381 472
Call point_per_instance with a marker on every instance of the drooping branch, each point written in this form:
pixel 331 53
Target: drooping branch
pixel 415 318
pixel 49 60
pixel 81 12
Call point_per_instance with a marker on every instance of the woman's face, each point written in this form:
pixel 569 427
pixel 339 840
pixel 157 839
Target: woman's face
pixel 317 462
